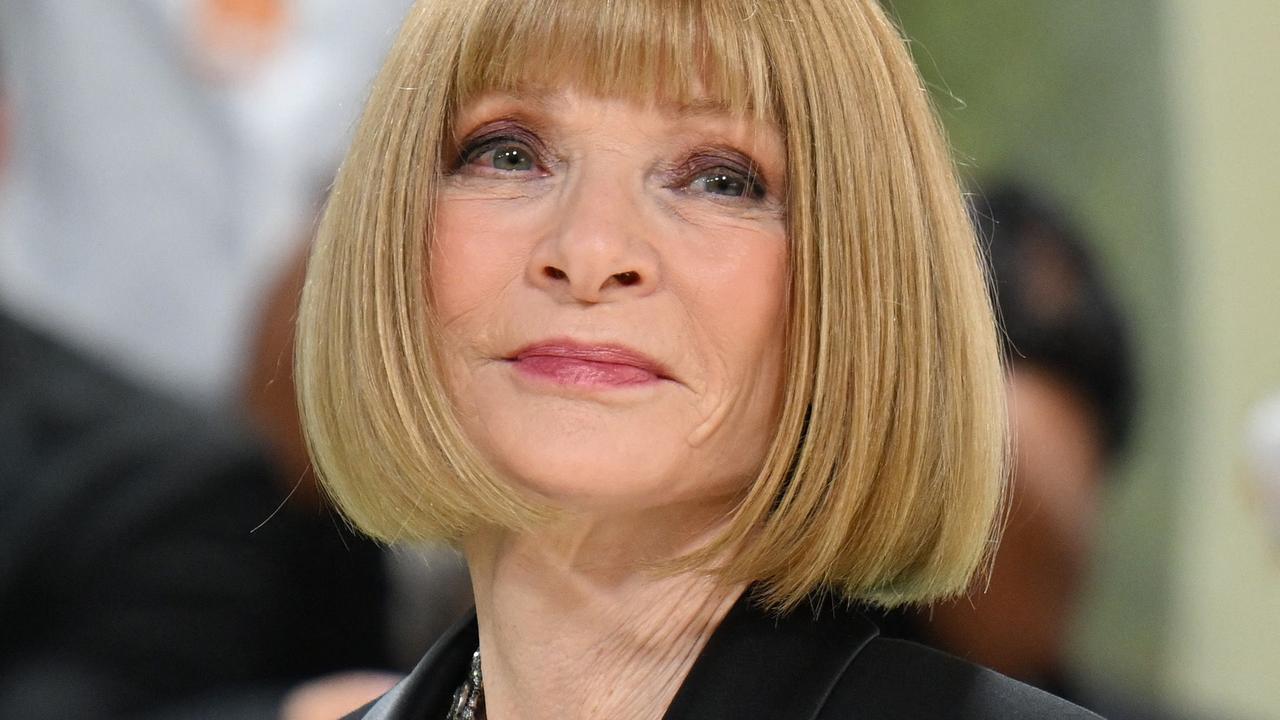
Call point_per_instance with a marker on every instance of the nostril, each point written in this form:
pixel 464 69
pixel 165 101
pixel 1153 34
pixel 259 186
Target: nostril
pixel 627 278
pixel 554 273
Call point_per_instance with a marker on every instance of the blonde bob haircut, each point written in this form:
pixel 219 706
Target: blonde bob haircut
pixel 885 474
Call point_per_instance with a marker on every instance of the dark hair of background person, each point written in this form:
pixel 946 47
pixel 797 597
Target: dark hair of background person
pixel 1065 335
pixel 1056 310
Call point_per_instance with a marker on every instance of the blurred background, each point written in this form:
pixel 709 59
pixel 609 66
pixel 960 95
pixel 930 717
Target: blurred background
pixel 162 162
pixel 1154 124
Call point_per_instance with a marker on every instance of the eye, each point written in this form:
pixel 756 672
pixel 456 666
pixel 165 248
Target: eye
pixel 509 158
pixel 498 156
pixel 727 182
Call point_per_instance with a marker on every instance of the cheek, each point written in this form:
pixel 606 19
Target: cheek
pixel 737 299
pixel 473 260
pixel 472 265
pixel 753 305
pixel 735 279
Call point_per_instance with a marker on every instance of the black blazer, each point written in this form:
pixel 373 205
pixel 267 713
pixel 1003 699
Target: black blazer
pixel 828 665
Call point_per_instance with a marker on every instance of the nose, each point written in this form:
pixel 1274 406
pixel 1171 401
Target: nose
pixel 598 249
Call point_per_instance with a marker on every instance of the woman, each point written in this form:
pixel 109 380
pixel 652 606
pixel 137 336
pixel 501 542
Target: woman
pixel 669 314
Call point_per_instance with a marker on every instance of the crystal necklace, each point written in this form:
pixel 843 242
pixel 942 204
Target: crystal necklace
pixel 468 700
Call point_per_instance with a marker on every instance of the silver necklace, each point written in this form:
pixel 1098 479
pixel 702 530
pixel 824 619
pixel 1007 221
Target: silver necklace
pixel 468 699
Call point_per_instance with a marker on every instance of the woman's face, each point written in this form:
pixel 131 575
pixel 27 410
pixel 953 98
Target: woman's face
pixel 611 283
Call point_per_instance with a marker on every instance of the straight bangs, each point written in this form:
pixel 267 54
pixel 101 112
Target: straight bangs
pixel 679 52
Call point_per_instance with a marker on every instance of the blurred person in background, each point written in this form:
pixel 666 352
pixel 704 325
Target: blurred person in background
pixel 428 587
pixel 148 567
pixel 1071 392
pixel 166 157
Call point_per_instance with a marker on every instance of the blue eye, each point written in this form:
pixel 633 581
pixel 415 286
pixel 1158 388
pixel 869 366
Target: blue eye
pixel 728 183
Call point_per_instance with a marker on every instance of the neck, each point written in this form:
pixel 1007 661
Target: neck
pixel 574 623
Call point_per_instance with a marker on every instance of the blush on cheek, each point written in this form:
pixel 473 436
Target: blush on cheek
pixel 744 327
pixel 476 252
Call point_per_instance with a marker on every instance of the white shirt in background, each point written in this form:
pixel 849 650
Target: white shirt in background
pixel 166 157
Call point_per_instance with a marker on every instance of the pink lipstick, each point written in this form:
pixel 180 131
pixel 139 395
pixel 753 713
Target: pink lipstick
pixel 570 363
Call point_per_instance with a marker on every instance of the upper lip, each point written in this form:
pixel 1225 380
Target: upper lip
pixel 612 353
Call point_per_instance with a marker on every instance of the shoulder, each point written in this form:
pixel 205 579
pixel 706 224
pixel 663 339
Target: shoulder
pixel 825 661
pixel 898 680
pixel 72 428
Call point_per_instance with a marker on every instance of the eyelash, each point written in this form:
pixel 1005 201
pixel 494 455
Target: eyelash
pixel 706 161
pixel 701 164
pixel 476 147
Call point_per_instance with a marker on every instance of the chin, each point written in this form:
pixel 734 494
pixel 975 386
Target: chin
pixel 590 470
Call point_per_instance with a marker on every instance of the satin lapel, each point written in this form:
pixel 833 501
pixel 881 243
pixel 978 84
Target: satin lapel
pixel 425 692
pixel 764 667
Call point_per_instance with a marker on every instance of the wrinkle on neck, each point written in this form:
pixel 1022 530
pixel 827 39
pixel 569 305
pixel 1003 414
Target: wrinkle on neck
pixel 575 624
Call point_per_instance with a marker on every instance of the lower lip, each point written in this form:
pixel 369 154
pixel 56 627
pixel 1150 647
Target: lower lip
pixel 573 371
